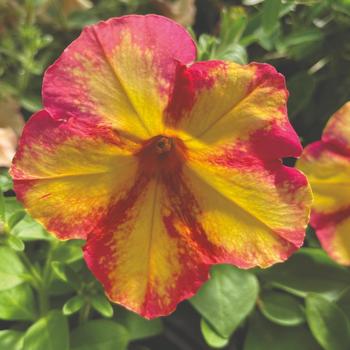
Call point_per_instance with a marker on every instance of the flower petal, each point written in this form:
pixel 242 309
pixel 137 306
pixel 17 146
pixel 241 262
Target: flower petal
pixel 119 72
pixel 252 207
pixel 218 102
pixel 67 172
pixel 255 210
pixel 327 165
pixel 146 255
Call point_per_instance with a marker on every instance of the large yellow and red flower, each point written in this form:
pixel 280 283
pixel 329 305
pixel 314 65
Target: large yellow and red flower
pixel 327 165
pixel 163 165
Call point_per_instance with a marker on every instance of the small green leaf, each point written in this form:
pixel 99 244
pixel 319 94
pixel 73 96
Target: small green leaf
pixel 48 333
pixel 5 181
pixel 11 340
pixel 101 304
pixel 29 230
pixel 99 335
pixel 11 206
pixel 235 53
pixel 227 298
pixel 59 270
pixel 17 303
pixel 66 274
pixel 11 269
pixel 344 302
pixel 271 9
pixel 265 335
pixel 73 305
pixel 309 270
pixel 212 338
pixel 15 243
pixel 233 23
pixel 328 323
pixel 138 327
pixel 69 251
pixel 282 308
pixel 15 218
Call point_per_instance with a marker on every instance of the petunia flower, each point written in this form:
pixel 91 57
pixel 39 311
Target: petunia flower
pixel 327 165
pixel 163 165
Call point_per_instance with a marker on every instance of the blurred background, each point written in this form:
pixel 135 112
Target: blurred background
pixel 309 42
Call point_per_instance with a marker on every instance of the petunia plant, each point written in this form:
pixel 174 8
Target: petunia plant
pixel 163 165
pixel 327 165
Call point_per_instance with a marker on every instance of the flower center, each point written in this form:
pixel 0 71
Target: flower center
pixel 164 144
pixel 161 154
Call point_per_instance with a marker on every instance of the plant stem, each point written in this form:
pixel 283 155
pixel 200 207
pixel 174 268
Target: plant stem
pixel 84 313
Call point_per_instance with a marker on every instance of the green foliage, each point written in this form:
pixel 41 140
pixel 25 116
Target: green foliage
pixel 282 308
pixel 265 335
pixel 327 322
pixel 12 270
pixel 49 332
pixel 227 298
pixel 17 303
pixel 99 335
pixel 48 298
pixel 10 339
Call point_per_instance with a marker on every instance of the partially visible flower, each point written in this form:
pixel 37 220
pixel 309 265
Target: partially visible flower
pixel 181 11
pixel 164 165
pixel 11 124
pixel 327 165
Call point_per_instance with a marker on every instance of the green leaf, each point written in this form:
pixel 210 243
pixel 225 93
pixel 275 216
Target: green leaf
pixel 60 270
pixel 11 269
pixel 138 327
pixel 233 23
pixel 282 308
pixel 265 335
pixel 48 333
pixel 11 340
pixel 328 323
pixel 309 270
pixel 235 53
pixel 99 335
pixel 66 274
pixel 73 305
pixel 29 230
pixel 15 218
pixel 100 303
pixel 69 251
pixel 15 243
pixel 212 338
pixel 344 302
pixel 11 206
pixel 227 298
pixel 17 303
pixel 5 181
pixel 271 9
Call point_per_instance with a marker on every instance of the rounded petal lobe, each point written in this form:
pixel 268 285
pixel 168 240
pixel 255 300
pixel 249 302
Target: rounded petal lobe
pixel 218 102
pixel 66 173
pixel 120 73
pixel 255 210
pixel 146 256
pixel 327 165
